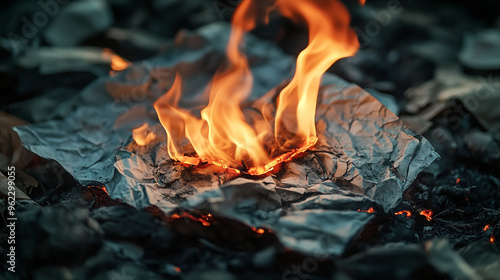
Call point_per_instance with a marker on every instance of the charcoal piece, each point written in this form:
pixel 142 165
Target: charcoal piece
pixel 433 259
pixel 124 223
pixel 61 234
pixel 483 144
pixel 210 273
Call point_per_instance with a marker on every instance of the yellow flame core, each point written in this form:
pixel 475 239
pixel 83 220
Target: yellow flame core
pixel 222 135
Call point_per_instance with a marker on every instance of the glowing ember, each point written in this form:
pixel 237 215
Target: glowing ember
pixel 492 239
pixel 258 230
pixel 407 213
pixel 204 219
pixel 427 214
pixel 102 188
pixel 458 180
pixel 117 62
pixel 177 269
pixel 143 135
pixel 486 227
pixel 221 134
pixel 371 210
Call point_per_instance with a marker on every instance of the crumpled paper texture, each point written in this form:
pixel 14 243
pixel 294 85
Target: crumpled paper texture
pixel 364 157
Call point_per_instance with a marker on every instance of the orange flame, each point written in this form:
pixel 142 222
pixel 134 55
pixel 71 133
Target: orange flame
pixel 486 227
pixel 222 135
pixel 492 239
pixel 427 214
pixel 117 62
pixel 370 210
pixel 407 213
pixel 143 135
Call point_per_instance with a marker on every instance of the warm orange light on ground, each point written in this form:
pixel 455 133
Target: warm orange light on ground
pixel 427 214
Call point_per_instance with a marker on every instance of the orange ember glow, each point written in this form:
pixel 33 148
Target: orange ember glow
pixel 407 213
pixel 204 219
pixel 117 62
pixel 492 239
pixel 221 133
pixel 371 210
pixel 258 230
pixel 458 180
pixel 102 188
pixel 143 135
pixel 486 227
pixel 427 214
pixel 177 269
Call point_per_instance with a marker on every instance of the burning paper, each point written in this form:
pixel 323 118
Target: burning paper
pixel 359 154
pixel 221 135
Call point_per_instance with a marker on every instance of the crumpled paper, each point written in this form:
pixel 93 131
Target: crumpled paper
pixel 364 156
pixel 477 93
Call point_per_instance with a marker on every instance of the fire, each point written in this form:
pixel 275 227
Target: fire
pixel 117 62
pixel 486 227
pixel 221 133
pixel 492 239
pixel 370 210
pixel 458 180
pixel 143 135
pixel 407 213
pixel 427 214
